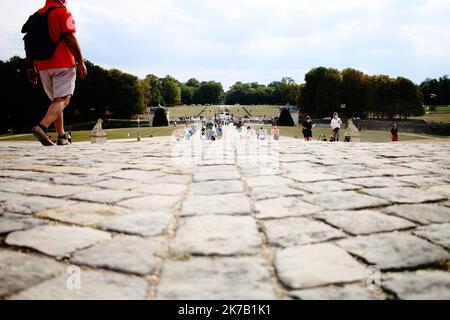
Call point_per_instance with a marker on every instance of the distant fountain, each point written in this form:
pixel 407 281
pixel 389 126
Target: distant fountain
pixel 353 131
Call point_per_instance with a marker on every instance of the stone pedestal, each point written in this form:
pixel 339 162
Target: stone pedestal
pixel 98 135
pixel 353 131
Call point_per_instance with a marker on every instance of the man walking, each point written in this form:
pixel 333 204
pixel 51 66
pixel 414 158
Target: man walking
pixel 58 73
pixel 336 123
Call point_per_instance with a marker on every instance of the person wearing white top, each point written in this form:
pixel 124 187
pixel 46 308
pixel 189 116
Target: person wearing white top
pixel 336 123
pixel 262 134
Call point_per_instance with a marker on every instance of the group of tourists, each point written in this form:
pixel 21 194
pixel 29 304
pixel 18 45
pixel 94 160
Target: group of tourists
pixel 212 131
pixel 336 125
pixel 261 134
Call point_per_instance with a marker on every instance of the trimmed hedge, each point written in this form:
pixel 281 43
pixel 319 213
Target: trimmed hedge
pixel 160 118
pixel 285 119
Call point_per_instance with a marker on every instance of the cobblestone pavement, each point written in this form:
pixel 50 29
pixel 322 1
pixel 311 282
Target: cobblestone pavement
pixel 165 220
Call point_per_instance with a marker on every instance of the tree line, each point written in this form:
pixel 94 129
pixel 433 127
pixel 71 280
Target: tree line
pixel 115 94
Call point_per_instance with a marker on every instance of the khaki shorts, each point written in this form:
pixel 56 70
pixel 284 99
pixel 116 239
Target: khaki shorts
pixel 58 83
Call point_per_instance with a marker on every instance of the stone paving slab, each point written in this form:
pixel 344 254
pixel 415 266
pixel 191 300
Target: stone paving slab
pixel 123 254
pixel 215 279
pixel 299 231
pixel 227 204
pixel 57 241
pixel 309 221
pixel 423 213
pixel 30 204
pixel 421 285
pixel 346 200
pixel 405 195
pixel 83 214
pixel 106 196
pixel 364 222
pixel 438 234
pixel 217 235
pixel 95 285
pixel 19 271
pixel 16 222
pixel 151 203
pixel 335 293
pixel 145 224
pixel 284 207
pixel 216 187
pixel 317 265
pixel 395 251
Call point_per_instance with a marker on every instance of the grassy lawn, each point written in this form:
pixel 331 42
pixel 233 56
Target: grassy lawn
pixel 267 111
pixel 179 112
pixel 131 133
pixel 113 134
pixel 239 111
pixel 436 118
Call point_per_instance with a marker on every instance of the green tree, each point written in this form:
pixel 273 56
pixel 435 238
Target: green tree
pixel 355 92
pixel 124 95
pixel 193 83
pixel 171 91
pixel 144 90
pixel 382 99
pixel 322 93
pixel 92 95
pixel 409 99
pixel 289 91
pixel 209 92
pixel 155 96
pixel 187 94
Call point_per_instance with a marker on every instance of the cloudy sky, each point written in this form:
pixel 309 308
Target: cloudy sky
pixel 252 40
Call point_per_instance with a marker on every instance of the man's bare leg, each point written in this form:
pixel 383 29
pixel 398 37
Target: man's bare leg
pixel 59 126
pixel 55 112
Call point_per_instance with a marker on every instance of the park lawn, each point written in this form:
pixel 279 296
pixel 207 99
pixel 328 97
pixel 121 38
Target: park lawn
pixel 113 134
pixel 132 133
pixel 237 110
pixel 435 118
pixel 180 112
pixel 264 111
pixel 366 136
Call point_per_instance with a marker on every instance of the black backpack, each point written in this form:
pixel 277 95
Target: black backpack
pixel 38 42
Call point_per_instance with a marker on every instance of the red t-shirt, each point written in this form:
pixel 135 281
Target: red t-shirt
pixel 59 21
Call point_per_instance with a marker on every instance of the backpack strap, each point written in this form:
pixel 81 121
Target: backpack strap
pixel 52 8
pixel 61 37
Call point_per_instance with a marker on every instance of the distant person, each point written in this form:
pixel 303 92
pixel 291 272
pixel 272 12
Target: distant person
pixel 307 129
pixel 394 133
pixel 348 138
pixel 219 132
pixel 203 134
pixel 187 133
pixel 336 124
pixel 261 134
pixel 249 134
pixel 275 133
pixel 323 138
pixel 56 64
pixel 69 137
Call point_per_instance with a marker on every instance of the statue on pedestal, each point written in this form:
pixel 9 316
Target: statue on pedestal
pixel 98 135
